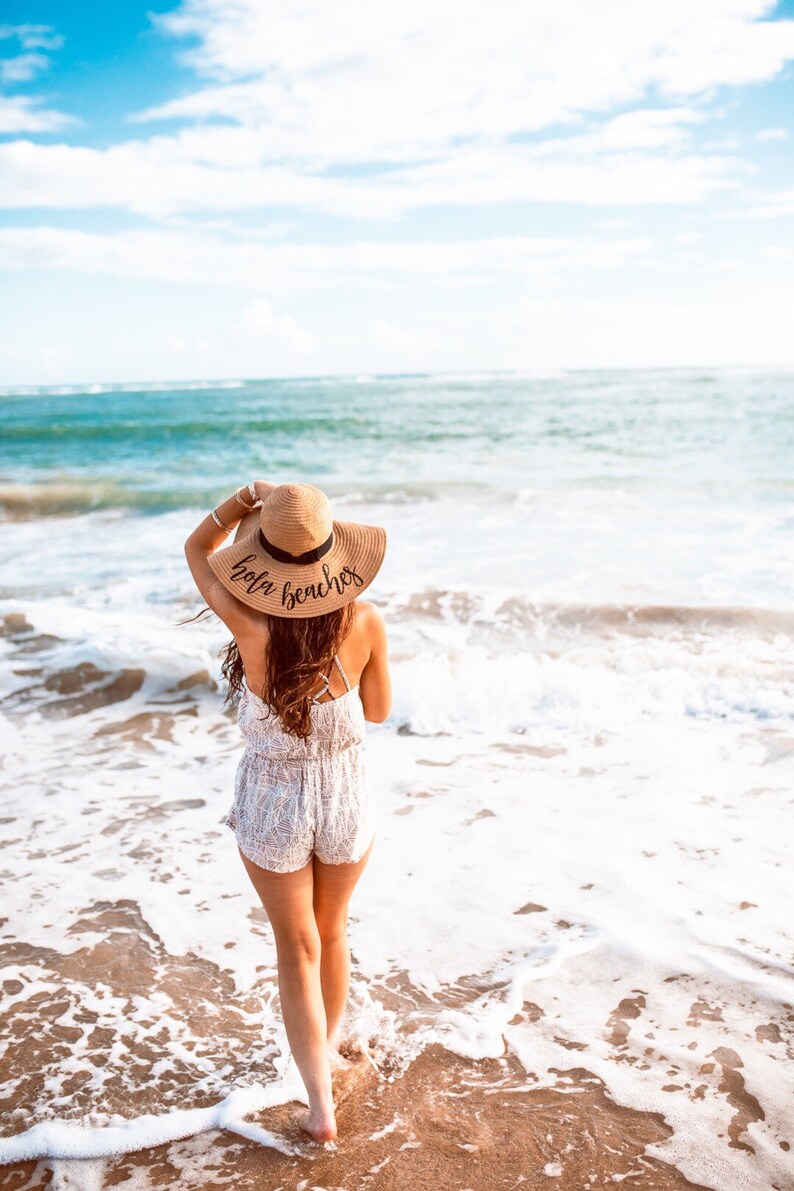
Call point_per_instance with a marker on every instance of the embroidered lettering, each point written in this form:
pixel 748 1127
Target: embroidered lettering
pixel 290 596
pixel 252 581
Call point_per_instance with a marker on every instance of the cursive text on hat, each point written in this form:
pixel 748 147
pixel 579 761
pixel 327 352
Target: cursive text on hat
pixel 250 579
pixel 318 591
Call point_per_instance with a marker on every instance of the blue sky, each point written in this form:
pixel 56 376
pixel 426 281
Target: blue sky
pixel 227 188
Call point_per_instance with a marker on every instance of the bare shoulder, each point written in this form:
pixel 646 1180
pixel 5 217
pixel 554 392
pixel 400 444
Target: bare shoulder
pixel 370 621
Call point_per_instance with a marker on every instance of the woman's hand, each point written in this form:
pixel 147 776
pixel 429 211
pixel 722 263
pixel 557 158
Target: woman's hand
pixel 209 536
pixel 263 488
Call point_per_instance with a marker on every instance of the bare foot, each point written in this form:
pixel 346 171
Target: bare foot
pixel 321 1126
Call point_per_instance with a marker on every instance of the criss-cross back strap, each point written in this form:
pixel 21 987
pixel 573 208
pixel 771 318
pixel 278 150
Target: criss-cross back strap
pixel 326 679
pixel 341 671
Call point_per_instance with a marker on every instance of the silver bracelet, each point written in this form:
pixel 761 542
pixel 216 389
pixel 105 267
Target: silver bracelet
pixel 219 523
pixel 252 491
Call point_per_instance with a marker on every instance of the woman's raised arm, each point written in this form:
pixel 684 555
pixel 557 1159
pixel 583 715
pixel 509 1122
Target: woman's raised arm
pixel 208 536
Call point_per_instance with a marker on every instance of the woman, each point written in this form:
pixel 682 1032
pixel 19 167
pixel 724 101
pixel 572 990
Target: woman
pixel 309 660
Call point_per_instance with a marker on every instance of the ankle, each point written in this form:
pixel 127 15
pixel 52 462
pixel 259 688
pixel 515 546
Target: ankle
pixel 323 1109
pixel 321 1099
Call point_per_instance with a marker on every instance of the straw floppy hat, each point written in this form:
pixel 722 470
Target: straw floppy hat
pixel 291 558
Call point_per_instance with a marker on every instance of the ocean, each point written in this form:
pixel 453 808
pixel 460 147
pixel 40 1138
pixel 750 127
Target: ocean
pixel 572 946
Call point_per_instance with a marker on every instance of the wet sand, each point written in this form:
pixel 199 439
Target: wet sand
pixel 408 1133
pixel 437 1120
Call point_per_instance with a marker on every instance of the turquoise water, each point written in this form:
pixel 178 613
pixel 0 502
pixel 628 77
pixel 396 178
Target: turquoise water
pixel 720 432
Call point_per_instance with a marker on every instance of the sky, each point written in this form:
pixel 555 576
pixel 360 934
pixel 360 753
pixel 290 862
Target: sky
pixel 249 188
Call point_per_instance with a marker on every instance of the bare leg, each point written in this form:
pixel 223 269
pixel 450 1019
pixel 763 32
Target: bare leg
pixel 335 979
pixel 287 898
pixel 333 887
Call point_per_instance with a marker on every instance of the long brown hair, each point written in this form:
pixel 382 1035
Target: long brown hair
pixel 299 649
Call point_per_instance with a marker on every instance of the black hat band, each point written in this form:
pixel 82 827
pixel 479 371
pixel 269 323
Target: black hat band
pixel 308 555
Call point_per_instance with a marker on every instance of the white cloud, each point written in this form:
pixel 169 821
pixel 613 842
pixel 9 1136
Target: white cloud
pixel 725 330
pixel 49 359
pixel 641 129
pixel 772 134
pixel 367 80
pixel 32 37
pixel 22 68
pixel 18 113
pixel 260 321
pixel 371 110
pixel 187 345
pixel 218 170
pixel 388 335
pixel 183 256
pixel 778 203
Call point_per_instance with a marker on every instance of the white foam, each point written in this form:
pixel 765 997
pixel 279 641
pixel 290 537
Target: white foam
pixel 55 1139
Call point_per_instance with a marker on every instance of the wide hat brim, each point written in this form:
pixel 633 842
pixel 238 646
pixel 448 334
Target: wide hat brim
pixel 300 589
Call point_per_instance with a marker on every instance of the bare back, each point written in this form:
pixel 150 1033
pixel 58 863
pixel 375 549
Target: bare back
pixel 363 655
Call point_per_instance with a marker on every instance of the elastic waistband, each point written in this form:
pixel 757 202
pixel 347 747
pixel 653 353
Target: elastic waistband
pixel 323 755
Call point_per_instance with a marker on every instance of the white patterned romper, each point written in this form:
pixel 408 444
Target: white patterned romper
pixel 296 798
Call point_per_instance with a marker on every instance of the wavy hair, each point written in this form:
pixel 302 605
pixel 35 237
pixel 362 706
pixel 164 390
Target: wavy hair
pixel 299 650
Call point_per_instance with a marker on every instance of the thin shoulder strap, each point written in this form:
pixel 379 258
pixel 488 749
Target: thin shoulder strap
pixel 327 681
pixel 341 671
pixel 326 687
